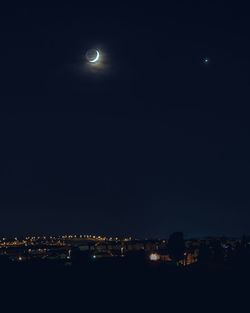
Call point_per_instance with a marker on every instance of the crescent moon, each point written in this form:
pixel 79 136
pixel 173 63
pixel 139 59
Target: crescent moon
pixel 96 58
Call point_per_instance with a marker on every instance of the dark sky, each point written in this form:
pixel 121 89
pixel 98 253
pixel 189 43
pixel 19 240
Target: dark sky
pixel 156 143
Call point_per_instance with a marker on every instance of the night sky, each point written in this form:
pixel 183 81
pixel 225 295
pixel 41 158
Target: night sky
pixel 156 142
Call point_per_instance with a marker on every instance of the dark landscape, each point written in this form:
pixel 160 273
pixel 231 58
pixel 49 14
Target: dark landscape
pixel 216 280
pixel 124 156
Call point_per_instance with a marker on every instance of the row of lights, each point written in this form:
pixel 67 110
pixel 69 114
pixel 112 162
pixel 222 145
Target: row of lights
pixel 34 238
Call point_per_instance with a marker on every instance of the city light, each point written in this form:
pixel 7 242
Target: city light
pixel 154 257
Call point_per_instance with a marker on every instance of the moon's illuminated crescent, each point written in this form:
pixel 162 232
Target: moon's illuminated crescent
pixel 96 58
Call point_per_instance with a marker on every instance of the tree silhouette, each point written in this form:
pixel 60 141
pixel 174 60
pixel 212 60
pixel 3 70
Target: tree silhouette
pixel 218 252
pixel 204 256
pixel 176 246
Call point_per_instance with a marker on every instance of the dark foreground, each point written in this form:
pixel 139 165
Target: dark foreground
pixel 115 286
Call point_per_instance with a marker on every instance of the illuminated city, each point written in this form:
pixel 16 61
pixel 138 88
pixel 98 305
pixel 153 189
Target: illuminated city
pixel 67 248
pixel 124 156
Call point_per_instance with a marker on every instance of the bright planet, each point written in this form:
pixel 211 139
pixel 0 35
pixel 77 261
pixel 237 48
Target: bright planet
pixel 93 55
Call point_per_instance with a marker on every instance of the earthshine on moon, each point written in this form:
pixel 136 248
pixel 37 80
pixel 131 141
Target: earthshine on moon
pixel 93 56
